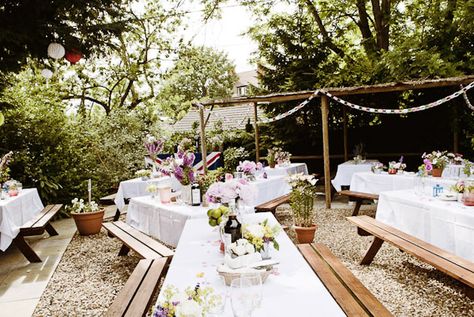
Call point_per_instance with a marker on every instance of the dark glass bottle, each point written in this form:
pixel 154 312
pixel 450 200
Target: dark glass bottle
pixel 232 228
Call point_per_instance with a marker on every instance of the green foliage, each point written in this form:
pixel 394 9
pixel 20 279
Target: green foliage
pixel 199 72
pixel 57 153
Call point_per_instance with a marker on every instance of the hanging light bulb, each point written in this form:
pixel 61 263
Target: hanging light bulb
pixel 56 50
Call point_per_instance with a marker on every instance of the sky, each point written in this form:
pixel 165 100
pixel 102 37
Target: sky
pixel 225 34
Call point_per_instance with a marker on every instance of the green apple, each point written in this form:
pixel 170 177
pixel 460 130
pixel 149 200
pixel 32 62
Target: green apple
pixel 212 222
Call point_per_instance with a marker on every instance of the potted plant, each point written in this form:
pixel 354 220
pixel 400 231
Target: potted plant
pixel 87 216
pixel 438 160
pixel 303 191
pixel 271 157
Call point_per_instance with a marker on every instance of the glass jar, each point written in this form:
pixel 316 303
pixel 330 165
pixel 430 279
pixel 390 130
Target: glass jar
pixel 468 195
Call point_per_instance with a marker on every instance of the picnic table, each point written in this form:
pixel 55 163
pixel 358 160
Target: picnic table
pixel 293 168
pixel 15 212
pixel 347 169
pixel 293 290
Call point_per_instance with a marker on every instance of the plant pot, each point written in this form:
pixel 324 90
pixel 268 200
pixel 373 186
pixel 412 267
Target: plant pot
pixel 392 171
pixel 305 234
pixel 88 223
pixel 272 164
pixel 468 199
pixel 436 172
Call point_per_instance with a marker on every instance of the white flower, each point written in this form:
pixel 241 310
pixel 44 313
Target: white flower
pixel 250 248
pixel 255 230
pixel 188 308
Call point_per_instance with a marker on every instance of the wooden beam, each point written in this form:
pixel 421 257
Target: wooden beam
pixel 346 91
pixel 327 170
pixel 346 145
pixel 203 138
pixel 257 145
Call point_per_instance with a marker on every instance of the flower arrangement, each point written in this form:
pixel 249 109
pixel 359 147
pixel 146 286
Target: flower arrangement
pixel 249 167
pixel 302 198
pixel 425 168
pixel 377 168
pixel 457 158
pixel 261 233
pixel 438 159
pixel 206 180
pixel 152 189
pixel 283 157
pixel 144 174
pixel 79 207
pixel 4 169
pixel 271 156
pixel 458 187
pixel 241 247
pixel 224 192
pixel 181 166
pixel 395 167
pixel 467 170
pixel 192 302
pixel 153 146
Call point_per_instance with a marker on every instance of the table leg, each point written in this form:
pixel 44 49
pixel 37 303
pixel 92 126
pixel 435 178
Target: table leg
pixel 124 250
pixel 25 248
pixel 49 228
pixel 357 206
pixel 372 251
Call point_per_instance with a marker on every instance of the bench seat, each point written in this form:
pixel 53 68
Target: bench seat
pixel 442 260
pixel 36 226
pixel 353 297
pixel 145 246
pixel 271 206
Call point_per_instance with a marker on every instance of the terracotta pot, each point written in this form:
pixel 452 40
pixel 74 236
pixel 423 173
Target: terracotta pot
pixel 272 164
pixel 88 223
pixel 305 234
pixel 436 172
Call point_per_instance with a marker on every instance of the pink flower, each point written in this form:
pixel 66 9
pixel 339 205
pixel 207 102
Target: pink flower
pixel 229 176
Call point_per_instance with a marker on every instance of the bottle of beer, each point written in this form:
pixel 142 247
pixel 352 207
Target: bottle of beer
pixel 195 194
pixel 232 228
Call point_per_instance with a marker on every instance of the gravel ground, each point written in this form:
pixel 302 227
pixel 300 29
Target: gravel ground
pixel 91 274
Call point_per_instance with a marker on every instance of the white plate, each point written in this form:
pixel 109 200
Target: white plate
pixel 448 198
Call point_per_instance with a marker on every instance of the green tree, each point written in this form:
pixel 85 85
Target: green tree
pixel 199 73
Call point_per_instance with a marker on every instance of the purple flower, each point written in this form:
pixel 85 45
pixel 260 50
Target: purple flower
pixel 160 312
pixel 188 159
pixel 178 173
pixel 401 159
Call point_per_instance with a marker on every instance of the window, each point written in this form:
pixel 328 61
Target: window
pixel 241 90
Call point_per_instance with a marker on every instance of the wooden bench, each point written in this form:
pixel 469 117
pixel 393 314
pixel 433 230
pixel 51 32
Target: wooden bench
pixel 136 240
pixel 358 197
pixel 353 297
pixel 109 201
pixel 273 204
pixel 444 261
pixel 135 297
pixel 36 226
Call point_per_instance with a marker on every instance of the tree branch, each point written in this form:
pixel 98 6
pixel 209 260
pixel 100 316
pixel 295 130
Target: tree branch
pixel 81 97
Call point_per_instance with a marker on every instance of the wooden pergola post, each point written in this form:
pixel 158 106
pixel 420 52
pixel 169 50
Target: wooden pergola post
pixel 257 145
pixel 346 145
pixel 203 137
pixel 327 171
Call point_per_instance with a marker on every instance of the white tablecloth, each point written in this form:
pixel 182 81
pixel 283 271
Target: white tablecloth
pixel 287 170
pixel 347 169
pixel 137 187
pixel 270 188
pixel 447 225
pixel 368 182
pixel 16 211
pixel 164 222
pixel 294 291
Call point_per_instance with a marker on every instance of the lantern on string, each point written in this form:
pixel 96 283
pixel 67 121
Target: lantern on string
pixel 47 73
pixel 73 56
pixel 56 50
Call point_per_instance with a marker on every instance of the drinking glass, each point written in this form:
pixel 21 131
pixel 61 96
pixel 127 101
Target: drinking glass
pixel 241 298
pixel 218 298
pixel 255 289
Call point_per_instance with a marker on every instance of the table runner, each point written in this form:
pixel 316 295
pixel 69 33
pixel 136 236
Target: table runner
pixel 16 211
pixel 293 290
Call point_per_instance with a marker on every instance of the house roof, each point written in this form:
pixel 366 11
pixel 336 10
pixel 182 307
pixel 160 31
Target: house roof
pixel 247 78
pixel 233 117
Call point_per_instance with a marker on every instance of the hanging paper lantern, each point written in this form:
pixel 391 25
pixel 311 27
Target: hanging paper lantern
pixel 47 73
pixel 73 56
pixel 56 50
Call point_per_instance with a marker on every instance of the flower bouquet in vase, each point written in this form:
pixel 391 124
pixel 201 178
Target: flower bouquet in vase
pixel 283 158
pixel 249 169
pixel 396 167
pixel 153 147
pixel 468 195
pixel 459 188
pixel 181 167
pixel 377 168
pixel 262 236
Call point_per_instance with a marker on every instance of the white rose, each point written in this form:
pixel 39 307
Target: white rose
pixel 188 308
pixel 249 248
pixel 239 250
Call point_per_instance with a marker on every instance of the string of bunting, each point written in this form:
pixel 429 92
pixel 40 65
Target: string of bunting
pixel 468 103
pixel 402 111
pixel 290 112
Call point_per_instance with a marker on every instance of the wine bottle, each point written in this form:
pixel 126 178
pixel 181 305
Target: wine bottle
pixel 232 228
pixel 195 194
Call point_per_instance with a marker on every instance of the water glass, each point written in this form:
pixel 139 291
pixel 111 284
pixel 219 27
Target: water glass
pixel 255 289
pixel 241 298
pixel 218 299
